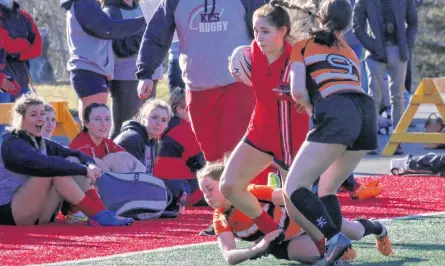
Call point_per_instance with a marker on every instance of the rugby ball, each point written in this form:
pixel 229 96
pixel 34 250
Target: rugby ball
pixel 240 64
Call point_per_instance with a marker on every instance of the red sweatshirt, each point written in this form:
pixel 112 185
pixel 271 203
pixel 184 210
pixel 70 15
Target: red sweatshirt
pixel 85 144
pixel 180 156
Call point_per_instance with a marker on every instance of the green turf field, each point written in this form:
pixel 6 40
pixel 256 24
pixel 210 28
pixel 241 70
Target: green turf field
pixel 416 241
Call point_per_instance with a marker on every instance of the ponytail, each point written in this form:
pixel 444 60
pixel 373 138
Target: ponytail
pixel 324 37
pixel 334 15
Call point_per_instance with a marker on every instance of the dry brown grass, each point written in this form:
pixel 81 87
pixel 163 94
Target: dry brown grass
pixel 64 92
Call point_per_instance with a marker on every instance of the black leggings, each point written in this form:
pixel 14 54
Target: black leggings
pixel 125 102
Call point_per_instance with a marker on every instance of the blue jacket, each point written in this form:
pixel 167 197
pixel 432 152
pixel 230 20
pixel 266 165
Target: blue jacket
pixel 125 49
pixel 350 36
pixel 369 11
pixel 20 159
pixel 134 139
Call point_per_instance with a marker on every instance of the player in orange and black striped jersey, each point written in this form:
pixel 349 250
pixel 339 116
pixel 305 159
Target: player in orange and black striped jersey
pixel 230 224
pixel 325 77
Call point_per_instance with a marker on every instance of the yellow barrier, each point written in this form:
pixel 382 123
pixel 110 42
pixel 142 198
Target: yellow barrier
pixel 426 93
pixel 66 125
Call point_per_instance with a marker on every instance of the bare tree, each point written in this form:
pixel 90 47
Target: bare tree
pixel 48 14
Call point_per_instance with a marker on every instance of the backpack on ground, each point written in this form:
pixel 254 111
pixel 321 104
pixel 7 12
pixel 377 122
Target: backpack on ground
pixel 137 195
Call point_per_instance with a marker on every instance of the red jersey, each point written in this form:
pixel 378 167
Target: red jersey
pixel 85 144
pixel 245 228
pixel 180 156
pixel 276 126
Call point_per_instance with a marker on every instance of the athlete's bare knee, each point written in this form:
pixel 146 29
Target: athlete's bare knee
pixel 227 189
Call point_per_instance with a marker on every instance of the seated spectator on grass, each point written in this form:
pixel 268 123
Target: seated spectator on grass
pixel 141 138
pixel 50 122
pixel 36 174
pixel 180 156
pixel 93 141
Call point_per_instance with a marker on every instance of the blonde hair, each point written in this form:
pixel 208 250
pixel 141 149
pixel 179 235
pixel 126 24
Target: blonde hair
pixel 19 109
pixel 151 105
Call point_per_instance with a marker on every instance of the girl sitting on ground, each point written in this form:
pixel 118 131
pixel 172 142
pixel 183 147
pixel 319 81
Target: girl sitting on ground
pixel 93 141
pixel 180 156
pixel 141 138
pixel 50 122
pixel 35 174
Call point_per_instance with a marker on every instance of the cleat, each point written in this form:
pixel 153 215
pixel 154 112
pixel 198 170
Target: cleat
pixel 337 246
pixel 273 180
pixel 365 192
pixel 383 243
pixel 210 231
pixel 108 218
pixel 76 218
pixel 349 255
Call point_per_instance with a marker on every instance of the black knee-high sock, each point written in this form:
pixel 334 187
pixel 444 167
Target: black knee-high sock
pixel 371 227
pixel 332 205
pixel 314 210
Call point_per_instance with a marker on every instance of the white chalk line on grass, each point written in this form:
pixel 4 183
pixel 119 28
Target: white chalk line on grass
pixel 128 254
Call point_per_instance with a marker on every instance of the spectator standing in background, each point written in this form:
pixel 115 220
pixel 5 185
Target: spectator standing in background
pixel 125 102
pixel 388 40
pixel 219 107
pixel 409 68
pixel 90 33
pixel 174 71
pixel 22 42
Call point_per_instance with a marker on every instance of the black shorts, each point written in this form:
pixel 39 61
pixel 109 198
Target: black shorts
pixel 279 251
pixel 275 159
pixel 6 217
pixel 347 119
pixel 87 83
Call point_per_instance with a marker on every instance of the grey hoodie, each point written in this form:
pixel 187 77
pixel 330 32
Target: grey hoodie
pixel 89 33
pixel 208 32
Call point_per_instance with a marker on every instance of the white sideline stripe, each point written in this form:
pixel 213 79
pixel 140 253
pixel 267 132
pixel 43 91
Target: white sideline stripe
pixel 207 243
pixel 412 216
pixel 129 254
